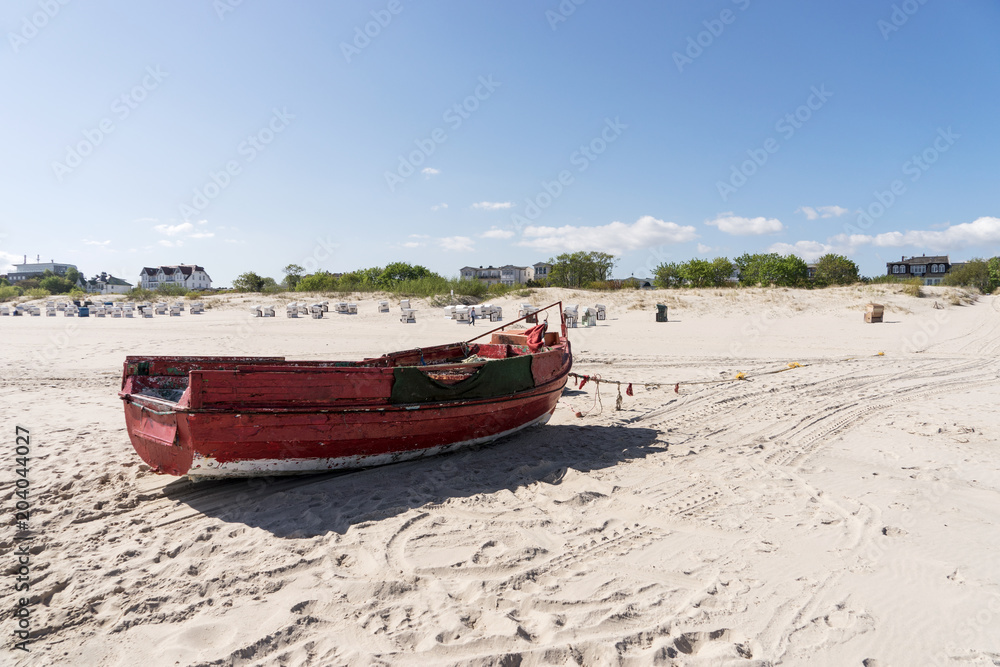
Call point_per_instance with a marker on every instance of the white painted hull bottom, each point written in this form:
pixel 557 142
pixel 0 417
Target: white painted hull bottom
pixel 209 468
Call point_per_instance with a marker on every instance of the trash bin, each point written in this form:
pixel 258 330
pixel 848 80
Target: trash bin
pixel 661 313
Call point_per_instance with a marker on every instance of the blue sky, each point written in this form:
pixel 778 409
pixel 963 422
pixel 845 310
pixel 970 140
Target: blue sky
pixel 250 135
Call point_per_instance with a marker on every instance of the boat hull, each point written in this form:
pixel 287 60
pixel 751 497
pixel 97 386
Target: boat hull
pixel 256 443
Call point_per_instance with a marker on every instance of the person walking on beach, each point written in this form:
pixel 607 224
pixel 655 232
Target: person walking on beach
pixel 472 317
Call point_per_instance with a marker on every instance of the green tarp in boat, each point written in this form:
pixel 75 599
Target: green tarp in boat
pixel 500 377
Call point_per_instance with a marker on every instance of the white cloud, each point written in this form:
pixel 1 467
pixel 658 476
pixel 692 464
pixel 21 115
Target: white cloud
pixel 201 235
pixel 203 222
pixel 174 230
pixel 493 205
pixel 457 243
pixel 413 244
pixel 101 243
pixel 237 241
pixel 737 226
pixel 981 232
pixel 823 212
pixel 170 244
pixel 497 233
pixel 810 251
pixel 8 260
pixel 615 238
pixel 438 207
pixel 419 236
pixel 430 171
pixel 702 248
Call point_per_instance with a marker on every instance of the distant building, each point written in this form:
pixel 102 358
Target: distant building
pixel 540 271
pixel 514 275
pixel 106 284
pixel 188 276
pixel 930 269
pixel 508 274
pixel 489 275
pixel 811 270
pixel 37 269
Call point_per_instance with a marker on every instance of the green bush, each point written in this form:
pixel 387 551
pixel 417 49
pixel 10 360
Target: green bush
pixel 977 273
pixel 171 290
pixel 140 294
pixel 56 284
pixel 36 293
pixel 882 280
pixel 9 292
pixel 912 287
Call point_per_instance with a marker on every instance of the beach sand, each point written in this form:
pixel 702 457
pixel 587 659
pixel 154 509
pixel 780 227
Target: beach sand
pixel 843 512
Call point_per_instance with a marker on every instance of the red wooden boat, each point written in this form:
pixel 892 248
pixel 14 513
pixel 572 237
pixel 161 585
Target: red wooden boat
pixel 212 417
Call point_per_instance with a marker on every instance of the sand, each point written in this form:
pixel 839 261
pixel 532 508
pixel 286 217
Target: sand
pixel 843 512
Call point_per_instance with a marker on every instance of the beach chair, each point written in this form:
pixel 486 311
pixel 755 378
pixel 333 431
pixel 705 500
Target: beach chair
pixel 69 311
pixel 60 305
pixel 35 311
pixel 175 310
pixel 257 311
pixel 316 311
pixel 292 310
pixel 116 311
pixel 449 312
pixel 661 312
pixel 352 309
pixel 100 311
pixel 461 315
pixel 303 310
pixel 179 305
pixel 404 304
pixel 340 307
pixel 197 308
pixel 572 313
pixel 146 311
pixel 874 312
pixel 50 311
pixel 267 311
pixel 326 306
pixel 383 306
pixel 590 317
pixel 496 314
pixel 409 316
pixel 4 311
pixel 602 311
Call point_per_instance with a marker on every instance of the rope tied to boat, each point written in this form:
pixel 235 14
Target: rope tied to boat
pixel 741 376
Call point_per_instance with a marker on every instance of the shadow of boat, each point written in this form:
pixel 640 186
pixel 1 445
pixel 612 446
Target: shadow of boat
pixel 305 506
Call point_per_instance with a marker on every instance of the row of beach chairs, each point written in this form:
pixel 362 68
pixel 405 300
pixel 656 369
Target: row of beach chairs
pixel 464 314
pixel 114 310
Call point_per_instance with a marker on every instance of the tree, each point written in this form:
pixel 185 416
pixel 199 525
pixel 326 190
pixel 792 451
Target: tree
pixel 772 269
pixel 400 271
pixel 73 275
pixel 56 284
pixel 317 282
pixel 293 274
pixel 249 282
pixel 974 273
pixel 579 268
pixel 667 275
pixel 993 266
pixel 834 269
